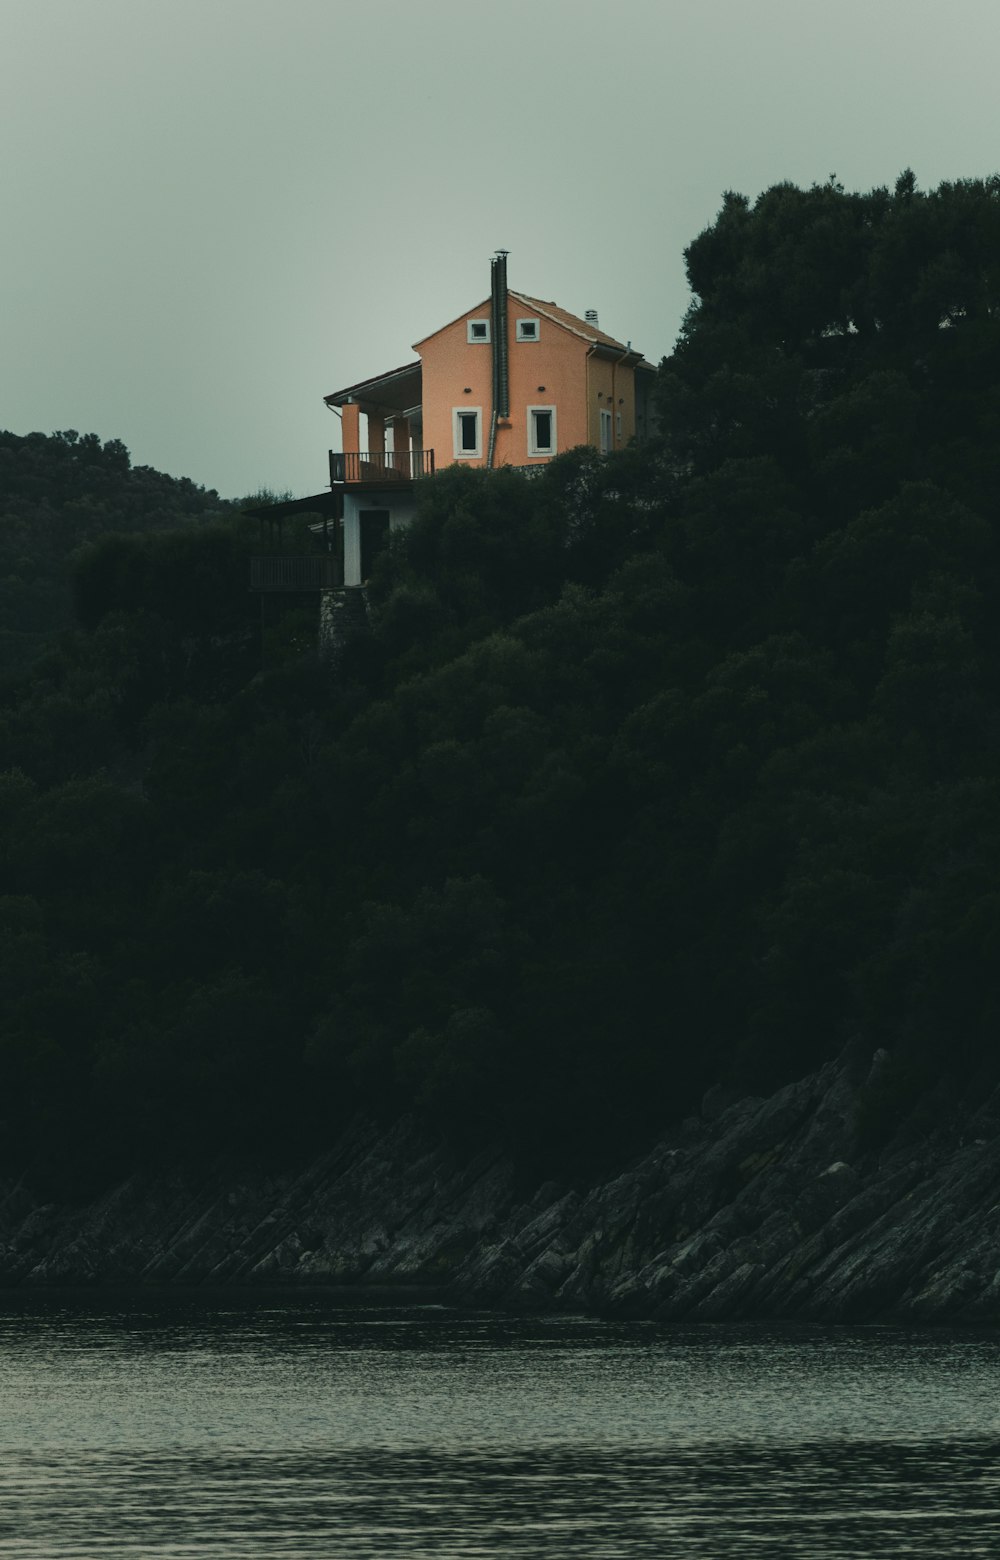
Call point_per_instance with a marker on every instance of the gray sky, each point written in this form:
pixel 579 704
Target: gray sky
pixel 212 212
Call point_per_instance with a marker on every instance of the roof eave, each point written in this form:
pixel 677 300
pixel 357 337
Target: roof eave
pixel 599 338
pixel 365 389
pixel 473 307
pixel 622 354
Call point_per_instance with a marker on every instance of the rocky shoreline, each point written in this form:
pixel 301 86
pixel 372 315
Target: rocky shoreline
pixel 759 1208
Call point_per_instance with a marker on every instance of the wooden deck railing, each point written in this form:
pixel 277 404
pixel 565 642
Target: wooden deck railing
pixel 380 465
pixel 319 571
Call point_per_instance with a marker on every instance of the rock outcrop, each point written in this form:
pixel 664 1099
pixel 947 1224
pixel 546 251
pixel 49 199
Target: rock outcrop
pixel 758 1208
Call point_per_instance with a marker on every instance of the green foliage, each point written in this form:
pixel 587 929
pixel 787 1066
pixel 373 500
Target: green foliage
pixel 57 494
pixel 660 770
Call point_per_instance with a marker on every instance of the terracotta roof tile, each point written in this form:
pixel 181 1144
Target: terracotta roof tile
pixel 570 321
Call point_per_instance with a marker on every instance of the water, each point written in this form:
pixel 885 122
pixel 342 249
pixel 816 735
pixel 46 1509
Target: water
pixel 215 1428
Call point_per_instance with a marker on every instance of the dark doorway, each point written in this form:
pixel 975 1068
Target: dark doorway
pixel 374 536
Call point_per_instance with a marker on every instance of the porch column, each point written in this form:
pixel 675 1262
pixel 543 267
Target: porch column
pixel 350 424
pixel 376 433
pixel 401 445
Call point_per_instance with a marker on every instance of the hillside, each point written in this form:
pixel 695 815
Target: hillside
pixel 657 773
pixel 57 493
pixel 756 1208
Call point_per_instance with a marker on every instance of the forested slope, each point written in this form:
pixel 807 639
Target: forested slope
pixel 658 771
pixel 57 493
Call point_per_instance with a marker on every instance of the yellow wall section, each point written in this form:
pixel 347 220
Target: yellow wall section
pixel 457 372
pixel 611 387
pixel 556 361
pixel 453 366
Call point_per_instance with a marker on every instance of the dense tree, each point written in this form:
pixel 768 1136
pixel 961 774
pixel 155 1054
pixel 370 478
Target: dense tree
pixel 59 492
pixel 656 771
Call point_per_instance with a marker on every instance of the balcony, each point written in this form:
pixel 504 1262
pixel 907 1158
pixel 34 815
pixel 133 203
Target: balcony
pixel 375 468
pixel 318 571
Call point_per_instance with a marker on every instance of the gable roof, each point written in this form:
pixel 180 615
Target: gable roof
pixel 570 322
pixel 551 311
pixel 474 308
pixel 397 390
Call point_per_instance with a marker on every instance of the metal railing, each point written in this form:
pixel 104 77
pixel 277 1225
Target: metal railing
pixel 319 571
pixel 380 465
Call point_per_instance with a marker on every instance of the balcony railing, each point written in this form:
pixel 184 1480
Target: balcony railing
pixel 380 465
pixel 319 571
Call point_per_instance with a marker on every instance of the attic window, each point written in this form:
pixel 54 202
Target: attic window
pixel 479 330
pixel 526 330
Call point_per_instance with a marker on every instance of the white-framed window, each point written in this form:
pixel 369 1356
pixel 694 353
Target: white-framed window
pixel 467 432
pixel 606 444
pixel 541 430
pixel 618 426
pixel 526 330
pixel 478 330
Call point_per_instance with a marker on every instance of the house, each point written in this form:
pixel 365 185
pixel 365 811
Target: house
pixel 512 381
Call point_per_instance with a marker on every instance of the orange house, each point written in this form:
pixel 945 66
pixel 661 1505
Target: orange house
pixel 512 381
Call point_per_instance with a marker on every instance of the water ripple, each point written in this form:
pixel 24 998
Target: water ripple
pixel 305 1430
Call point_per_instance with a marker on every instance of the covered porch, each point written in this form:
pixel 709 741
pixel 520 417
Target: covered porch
pixel 381 427
pixel 300 572
pixel 381 459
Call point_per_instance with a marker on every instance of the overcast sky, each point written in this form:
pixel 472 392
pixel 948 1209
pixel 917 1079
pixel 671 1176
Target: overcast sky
pixel 213 212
